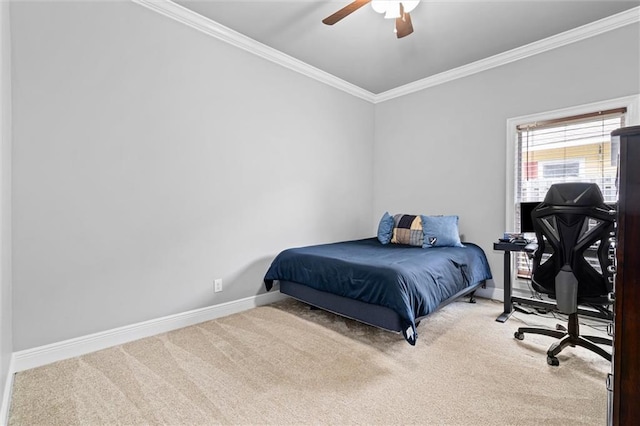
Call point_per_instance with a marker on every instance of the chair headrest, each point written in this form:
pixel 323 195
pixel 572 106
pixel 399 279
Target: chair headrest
pixel 579 194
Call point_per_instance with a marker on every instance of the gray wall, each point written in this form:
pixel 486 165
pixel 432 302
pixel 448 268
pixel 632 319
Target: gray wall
pixel 443 150
pixel 6 346
pixel 150 159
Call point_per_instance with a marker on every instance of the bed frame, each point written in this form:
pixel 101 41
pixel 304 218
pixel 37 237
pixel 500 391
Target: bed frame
pixel 376 315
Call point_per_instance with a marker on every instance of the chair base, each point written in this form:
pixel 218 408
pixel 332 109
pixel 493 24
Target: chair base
pixel 569 338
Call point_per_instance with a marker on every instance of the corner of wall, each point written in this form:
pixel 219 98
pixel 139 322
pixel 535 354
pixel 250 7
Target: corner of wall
pixel 6 336
pixel 7 390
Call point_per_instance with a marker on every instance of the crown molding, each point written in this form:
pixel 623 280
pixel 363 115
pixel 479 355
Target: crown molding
pixel 188 17
pixel 194 20
pixel 592 29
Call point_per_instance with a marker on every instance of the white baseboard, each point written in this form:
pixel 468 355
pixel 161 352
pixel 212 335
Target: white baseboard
pixel 490 293
pixel 6 395
pixel 42 355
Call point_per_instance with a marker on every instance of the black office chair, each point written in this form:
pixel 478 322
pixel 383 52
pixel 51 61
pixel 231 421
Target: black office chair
pixel 572 220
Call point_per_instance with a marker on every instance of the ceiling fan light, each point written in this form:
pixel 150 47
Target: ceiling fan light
pixel 410 5
pixel 392 12
pixel 380 6
pixel 391 9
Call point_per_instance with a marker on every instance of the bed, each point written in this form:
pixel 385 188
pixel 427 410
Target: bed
pixel 391 286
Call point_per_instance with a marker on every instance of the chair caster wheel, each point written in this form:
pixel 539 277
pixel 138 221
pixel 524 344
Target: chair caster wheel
pixel 552 360
pixel 518 335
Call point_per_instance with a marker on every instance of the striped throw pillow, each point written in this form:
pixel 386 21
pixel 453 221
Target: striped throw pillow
pixel 407 229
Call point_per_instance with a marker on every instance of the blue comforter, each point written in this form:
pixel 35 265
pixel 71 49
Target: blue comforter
pixel 411 281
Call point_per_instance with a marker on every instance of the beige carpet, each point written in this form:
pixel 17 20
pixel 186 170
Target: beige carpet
pixel 285 364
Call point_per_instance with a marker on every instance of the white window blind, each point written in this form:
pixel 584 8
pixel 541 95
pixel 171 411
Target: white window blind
pixel 569 149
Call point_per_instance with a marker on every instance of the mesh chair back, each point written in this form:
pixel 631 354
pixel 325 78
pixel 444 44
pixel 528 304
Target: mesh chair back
pixel 573 226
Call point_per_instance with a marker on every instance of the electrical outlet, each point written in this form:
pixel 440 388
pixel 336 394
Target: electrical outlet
pixel 217 285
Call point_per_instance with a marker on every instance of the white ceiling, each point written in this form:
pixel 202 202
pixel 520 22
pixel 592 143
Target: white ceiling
pixel 363 50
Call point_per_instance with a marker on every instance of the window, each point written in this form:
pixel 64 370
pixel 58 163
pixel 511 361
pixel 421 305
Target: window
pixel 567 149
pixel 574 148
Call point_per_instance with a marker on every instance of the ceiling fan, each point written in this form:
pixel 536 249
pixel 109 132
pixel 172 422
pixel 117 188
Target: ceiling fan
pixel 398 10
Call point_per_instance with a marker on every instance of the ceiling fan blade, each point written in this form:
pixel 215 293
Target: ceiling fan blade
pixel 404 27
pixel 345 11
